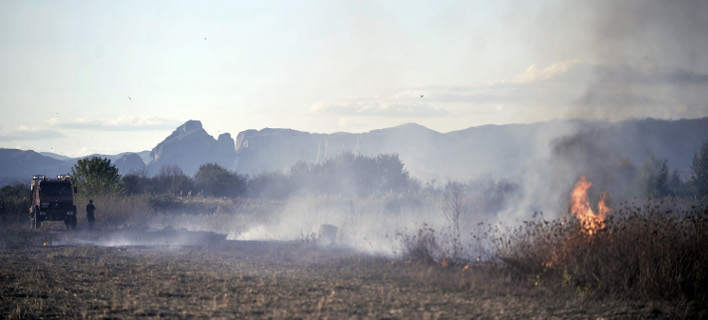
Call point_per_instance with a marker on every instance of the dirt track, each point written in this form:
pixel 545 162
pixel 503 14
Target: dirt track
pixel 227 279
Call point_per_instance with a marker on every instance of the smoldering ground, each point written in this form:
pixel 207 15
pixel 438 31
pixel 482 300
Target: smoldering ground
pixel 268 281
pixel 377 223
pixel 274 257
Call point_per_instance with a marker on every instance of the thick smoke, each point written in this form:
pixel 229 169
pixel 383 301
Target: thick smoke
pixel 647 56
pixel 637 59
pixel 651 32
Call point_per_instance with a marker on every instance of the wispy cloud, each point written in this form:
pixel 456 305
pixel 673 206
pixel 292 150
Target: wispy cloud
pixel 576 83
pixel 55 128
pixel 114 124
pixel 580 72
pixel 577 89
pixel 26 132
pixel 405 105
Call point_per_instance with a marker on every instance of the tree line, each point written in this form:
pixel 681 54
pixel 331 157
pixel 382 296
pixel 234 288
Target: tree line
pixel 662 182
pixel 347 174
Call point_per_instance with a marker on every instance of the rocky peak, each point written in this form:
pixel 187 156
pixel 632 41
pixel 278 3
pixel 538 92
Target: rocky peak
pixel 242 138
pixel 191 125
pixel 226 150
pixel 225 138
pixel 188 128
pixel 190 146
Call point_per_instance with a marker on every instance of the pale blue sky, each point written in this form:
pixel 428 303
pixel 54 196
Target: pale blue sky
pixel 82 77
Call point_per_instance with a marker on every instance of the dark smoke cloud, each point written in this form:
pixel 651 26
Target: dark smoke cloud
pixel 655 32
pixel 649 55
pixel 588 153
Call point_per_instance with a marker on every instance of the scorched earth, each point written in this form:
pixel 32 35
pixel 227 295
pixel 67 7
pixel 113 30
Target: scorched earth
pixel 57 274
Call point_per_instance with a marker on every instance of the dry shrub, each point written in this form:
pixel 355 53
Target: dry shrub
pixel 656 250
pixel 429 246
pixel 115 210
pixel 422 247
pixel 435 259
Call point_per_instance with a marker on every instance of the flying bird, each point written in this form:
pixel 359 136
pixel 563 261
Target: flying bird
pixel 421 95
pixel 129 98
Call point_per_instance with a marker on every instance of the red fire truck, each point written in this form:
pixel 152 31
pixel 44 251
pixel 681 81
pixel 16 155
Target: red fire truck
pixel 52 200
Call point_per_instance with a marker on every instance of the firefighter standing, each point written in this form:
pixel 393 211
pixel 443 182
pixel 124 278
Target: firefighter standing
pixel 90 208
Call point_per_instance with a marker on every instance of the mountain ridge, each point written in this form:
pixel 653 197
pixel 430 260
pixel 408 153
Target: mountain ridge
pixel 499 150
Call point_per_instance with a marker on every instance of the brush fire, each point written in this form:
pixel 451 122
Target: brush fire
pixel 590 222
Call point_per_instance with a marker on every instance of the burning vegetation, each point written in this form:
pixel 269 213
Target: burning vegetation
pixel 654 249
pixel 641 250
pixel 580 208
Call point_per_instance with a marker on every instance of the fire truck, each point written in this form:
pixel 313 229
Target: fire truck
pixel 52 200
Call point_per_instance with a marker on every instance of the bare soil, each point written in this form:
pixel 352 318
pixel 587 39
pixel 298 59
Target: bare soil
pixel 59 274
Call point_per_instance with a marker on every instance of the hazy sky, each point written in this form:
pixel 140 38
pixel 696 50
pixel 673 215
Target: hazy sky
pixel 111 76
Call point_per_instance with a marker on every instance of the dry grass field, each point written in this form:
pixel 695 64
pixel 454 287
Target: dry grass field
pixel 58 274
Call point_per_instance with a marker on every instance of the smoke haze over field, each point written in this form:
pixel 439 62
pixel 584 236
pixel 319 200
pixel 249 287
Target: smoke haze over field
pixel 514 99
pixel 110 78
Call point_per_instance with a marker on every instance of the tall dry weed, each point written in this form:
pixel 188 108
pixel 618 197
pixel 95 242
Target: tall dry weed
pixel 655 250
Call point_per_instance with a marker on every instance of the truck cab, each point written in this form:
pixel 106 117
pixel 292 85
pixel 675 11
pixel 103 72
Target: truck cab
pixel 52 200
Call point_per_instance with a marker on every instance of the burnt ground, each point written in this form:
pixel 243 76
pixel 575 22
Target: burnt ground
pixel 58 274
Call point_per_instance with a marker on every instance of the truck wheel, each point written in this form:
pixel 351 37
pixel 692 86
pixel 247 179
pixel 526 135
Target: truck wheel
pixel 35 220
pixel 74 219
pixel 31 217
pixel 70 222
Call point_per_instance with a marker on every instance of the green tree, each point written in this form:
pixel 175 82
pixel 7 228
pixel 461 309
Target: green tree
pixel 655 175
pixel 661 180
pixel 675 184
pixel 14 199
pixel 95 176
pixel 171 179
pixel 214 180
pixel 136 182
pixel 699 176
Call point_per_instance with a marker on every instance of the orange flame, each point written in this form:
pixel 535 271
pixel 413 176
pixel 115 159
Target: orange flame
pixel 580 208
pixel 602 209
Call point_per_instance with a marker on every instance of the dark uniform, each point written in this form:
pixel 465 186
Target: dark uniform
pixel 90 208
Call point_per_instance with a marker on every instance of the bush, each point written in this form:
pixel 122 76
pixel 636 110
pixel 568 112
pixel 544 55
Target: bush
pixel 14 199
pixel 171 179
pixel 14 203
pixel 422 247
pixel 165 202
pixel 115 210
pixel 213 180
pixel 432 247
pixel 657 250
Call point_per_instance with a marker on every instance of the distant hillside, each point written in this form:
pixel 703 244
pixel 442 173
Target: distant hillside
pixel 54 155
pixel 499 151
pixel 20 165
